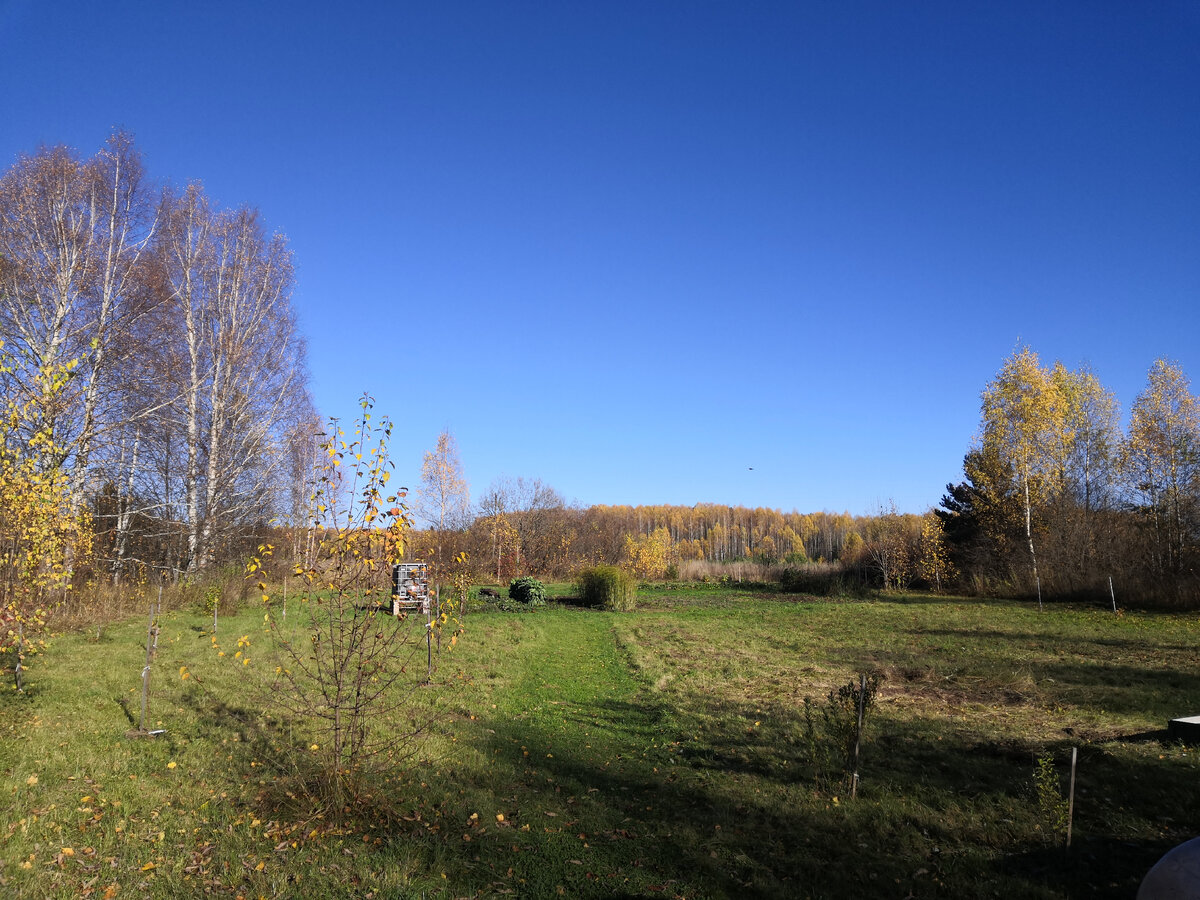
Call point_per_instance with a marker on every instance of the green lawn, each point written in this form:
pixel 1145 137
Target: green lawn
pixel 657 753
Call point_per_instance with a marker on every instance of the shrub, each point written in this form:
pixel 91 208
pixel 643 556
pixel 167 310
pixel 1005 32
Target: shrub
pixel 823 580
pixel 527 590
pixel 831 729
pixel 608 587
pixel 1053 808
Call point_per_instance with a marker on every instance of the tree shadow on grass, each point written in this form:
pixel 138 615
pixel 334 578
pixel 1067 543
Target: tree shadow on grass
pixel 924 786
pixel 730 817
pixel 650 832
pixel 1031 640
pixel 285 785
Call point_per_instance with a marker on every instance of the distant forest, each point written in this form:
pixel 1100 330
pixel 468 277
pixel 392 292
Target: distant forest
pixel 1058 501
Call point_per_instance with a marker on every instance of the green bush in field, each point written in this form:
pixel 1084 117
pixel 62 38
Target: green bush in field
pixel 831 729
pixel 1052 807
pixel 527 590
pixel 608 587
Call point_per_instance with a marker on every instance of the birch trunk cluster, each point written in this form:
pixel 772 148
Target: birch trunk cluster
pixel 188 409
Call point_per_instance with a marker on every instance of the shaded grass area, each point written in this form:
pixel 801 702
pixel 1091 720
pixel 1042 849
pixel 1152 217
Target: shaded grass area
pixel 656 753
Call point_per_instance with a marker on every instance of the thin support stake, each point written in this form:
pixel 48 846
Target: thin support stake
pixel 20 656
pixel 429 651
pixel 862 691
pixel 146 668
pixel 1071 795
pixel 145 692
pixel 1112 593
pixel 157 616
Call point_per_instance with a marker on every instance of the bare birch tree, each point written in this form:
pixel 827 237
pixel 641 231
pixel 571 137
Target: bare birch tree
pixel 74 235
pixel 444 498
pixel 242 363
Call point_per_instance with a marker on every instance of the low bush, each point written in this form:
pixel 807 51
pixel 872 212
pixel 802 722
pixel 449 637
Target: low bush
pixel 527 590
pixel 831 730
pixel 608 587
pixel 823 580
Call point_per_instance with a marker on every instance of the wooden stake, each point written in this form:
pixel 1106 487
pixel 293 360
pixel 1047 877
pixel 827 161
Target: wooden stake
pixel 1112 594
pixel 1071 796
pixel 156 612
pixel 20 656
pixel 146 669
pixel 429 640
pixel 862 691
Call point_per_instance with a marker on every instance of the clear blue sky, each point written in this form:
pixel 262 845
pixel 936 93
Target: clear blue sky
pixel 635 249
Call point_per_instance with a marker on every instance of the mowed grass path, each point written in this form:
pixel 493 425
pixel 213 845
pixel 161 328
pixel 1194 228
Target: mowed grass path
pixel 658 753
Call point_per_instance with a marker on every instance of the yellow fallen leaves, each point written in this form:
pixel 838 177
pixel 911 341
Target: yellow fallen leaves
pixel 31 780
pixel 171 764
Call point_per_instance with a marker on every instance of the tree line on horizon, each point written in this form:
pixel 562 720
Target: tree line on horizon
pixel 1058 501
pixel 150 339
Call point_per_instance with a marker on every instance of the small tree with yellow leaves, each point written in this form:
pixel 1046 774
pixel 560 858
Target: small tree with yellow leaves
pixel 649 555
pixel 349 674
pixel 933 563
pixel 42 535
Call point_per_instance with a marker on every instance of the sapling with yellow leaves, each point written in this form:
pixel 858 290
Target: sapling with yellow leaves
pixel 43 534
pixel 348 672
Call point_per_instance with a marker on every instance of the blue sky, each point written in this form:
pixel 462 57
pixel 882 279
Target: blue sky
pixel 635 249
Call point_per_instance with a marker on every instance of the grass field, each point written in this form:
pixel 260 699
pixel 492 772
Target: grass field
pixel 655 753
